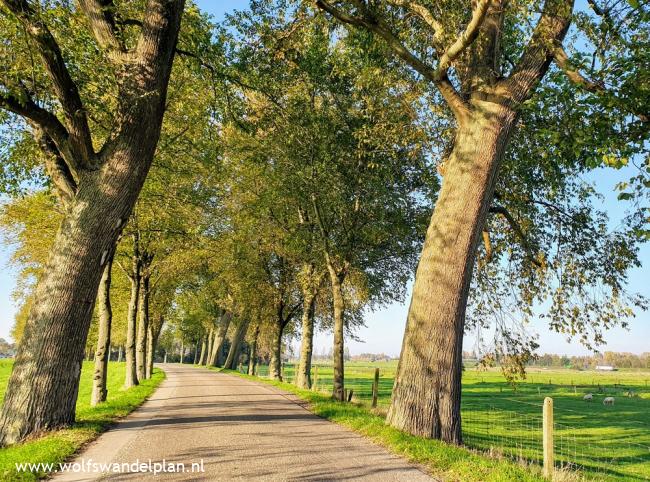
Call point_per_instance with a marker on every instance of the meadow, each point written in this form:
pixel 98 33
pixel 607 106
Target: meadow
pixel 56 447
pixel 595 441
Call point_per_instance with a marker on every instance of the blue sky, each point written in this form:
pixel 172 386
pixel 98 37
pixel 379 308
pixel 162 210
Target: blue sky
pixel 385 328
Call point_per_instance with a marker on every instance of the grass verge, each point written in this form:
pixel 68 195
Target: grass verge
pixel 58 446
pixel 444 462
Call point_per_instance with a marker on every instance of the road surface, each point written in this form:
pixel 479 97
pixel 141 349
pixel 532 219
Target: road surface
pixel 231 429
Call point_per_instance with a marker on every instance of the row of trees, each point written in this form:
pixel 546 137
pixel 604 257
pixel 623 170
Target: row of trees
pixel 291 182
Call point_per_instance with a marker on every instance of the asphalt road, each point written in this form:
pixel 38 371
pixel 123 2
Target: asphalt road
pixel 231 429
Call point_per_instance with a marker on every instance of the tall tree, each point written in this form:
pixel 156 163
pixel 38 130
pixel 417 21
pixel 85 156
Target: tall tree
pixel 466 55
pixel 99 188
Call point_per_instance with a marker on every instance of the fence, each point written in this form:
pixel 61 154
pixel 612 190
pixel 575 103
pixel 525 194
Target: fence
pixel 591 441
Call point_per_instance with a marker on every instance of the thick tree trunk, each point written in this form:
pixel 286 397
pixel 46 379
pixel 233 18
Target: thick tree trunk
pixel 42 390
pixel 219 337
pixel 102 354
pixel 131 377
pixel 232 359
pixel 336 280
pixel 303 377
pixel 143 329
pixel 275 364
pixel 252 358
pixel 427 389
pixel 204 348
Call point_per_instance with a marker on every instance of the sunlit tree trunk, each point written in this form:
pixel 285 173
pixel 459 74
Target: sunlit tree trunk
pixel 204 349
pixel 151 346
pixel 219 338
pixel 102 354
pixel 235 347
pixel 427 387
pixel 143 329
pixel 336 281
pixel 303 377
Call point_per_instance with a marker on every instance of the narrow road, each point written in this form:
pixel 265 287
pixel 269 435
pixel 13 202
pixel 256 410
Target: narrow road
pixel 232 429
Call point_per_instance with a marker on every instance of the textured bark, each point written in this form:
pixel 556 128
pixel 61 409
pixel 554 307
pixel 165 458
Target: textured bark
pixel 42 389
pixel 119 354
pixel 232 359
pixel 219 337
pixel 182 352
pixel 103 352
pixel 143 329
pixel 303 377
pixel 252 358
pixel 131 374
pixel 427 389
pixel 336 280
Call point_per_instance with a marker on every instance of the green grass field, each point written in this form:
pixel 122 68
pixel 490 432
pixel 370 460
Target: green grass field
pixel 91 421
pixel 599 442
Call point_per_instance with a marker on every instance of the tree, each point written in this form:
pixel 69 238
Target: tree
pixel 465 55
pixel 98 188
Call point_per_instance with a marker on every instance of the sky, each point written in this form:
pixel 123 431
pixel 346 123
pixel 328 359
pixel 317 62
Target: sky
pixel 385 327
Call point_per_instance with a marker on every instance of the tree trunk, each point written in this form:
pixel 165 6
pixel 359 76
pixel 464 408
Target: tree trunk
pixel 219 337
pixel 196 352
pixel 235 347
pixel 151 346
pixel 427 388
pixel 143 329
pixel 275 364
pixel 119 354
pixel 208 354
pixel 336 280
pixel 102 354
pixel 182 351
pixel 252 358
pixel 131 378
pixel 303 377
pixel 42 390
pixel 204 348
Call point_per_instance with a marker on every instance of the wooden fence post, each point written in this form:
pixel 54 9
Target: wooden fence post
pixel 375 388
pixel 548 437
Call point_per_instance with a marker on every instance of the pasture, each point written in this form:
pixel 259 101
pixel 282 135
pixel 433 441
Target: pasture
pixel 599 442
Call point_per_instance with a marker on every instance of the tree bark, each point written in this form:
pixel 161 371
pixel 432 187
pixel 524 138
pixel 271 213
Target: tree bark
pixel 151 345
pixel 303 377
pixel 252 358
pixel 182 351
pixel 235 347
pixel 204 348
pixel 275 364
pixel 42 390
pixel 143 329
pixel 336 280
pixel 427 388
pixel 131 376
pixel 119 354
pixel 219 337
pixel 102 354
pixel 208 354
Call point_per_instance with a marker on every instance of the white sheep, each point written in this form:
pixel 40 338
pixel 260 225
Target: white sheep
pixel 608 401
pixel 588 397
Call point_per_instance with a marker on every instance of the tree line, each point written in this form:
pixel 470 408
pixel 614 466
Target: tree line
pixel 172 180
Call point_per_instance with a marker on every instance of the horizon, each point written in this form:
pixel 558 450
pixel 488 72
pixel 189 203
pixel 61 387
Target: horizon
pixel 385 327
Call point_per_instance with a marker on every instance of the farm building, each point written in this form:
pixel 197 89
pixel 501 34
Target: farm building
pixel 606 368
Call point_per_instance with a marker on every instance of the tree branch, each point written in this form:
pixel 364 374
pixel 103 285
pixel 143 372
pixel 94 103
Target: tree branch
pixel 64 87
pixel 103 24
pixel 58 170
pixel 518 231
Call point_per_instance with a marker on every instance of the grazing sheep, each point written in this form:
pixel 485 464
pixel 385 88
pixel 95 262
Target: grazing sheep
pixel 588 397
pixel 608 401
pixel 631 394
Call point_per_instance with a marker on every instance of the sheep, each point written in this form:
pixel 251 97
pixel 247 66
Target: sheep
pixel 588 397
pixel 631 393
pixel 608 401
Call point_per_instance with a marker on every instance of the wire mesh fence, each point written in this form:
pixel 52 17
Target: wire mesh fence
pixel 591 442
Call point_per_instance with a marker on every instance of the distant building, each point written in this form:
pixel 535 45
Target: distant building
pixel 605 368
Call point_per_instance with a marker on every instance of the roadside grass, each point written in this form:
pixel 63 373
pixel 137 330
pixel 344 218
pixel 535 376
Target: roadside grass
pixel 443 461
pixel 56 447
pixel 605 443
